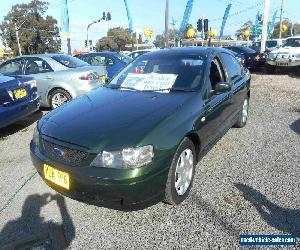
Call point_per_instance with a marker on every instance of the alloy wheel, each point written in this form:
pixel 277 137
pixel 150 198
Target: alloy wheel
pixel 58 99
pixel 184 171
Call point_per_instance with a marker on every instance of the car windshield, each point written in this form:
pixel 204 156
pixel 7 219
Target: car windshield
pixel 161 73
pixel 271 44
pixel 292 42
pixel 124 58
pixel 69 61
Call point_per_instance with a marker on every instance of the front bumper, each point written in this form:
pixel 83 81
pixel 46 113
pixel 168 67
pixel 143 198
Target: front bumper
pixel 17 111
pixel 106 186
pixel 283 63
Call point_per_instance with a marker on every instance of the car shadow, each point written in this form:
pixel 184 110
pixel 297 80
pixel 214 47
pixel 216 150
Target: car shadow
pixel 283 219
pixel 295 126
pixel 20 125
pixel 31 231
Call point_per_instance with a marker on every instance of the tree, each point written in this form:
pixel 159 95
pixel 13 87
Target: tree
pixel 291 29
pixel 38 34
pixel 160 38
pixel 246 26
pixel 115 40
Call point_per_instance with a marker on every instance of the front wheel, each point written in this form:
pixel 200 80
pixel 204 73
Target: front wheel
pixel 58 97
pixel 181 173
pixel 243 114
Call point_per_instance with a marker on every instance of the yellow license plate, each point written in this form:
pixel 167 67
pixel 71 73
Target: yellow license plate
pixel 20 93
pixel 57 177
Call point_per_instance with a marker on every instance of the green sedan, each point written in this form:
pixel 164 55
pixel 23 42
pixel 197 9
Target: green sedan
pixel 137 140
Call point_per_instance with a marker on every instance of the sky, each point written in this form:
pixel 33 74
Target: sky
pixel 150 14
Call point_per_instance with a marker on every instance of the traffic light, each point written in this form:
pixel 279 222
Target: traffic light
pixel 103 16
pixel 85 43
pixel 108 16
pixel 205 25
pixel 199 25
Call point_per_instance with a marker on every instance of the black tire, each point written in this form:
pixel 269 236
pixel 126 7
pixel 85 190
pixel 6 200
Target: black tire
pixel 241 122
pixel 63 92
pixel 171 195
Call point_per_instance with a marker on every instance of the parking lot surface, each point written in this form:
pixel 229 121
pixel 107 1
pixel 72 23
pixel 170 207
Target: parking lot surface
pixel 247 184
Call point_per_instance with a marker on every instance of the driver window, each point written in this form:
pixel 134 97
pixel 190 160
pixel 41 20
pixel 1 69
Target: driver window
pixel 216 73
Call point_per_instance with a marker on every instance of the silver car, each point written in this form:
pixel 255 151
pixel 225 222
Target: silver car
pixel 60 78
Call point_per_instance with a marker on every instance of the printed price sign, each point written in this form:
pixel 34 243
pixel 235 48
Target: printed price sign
pixel 152 81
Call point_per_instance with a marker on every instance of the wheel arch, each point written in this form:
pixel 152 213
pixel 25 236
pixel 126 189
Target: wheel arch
pixel 194 137
pixel 57 88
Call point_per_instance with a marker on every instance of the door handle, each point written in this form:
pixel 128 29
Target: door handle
pixel 48 78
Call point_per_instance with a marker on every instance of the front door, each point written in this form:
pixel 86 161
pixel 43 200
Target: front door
pixel 216 105
pixel 41 71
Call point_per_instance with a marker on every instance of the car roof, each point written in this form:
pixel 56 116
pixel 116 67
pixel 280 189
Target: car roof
pixel 41 55
pixel 187 51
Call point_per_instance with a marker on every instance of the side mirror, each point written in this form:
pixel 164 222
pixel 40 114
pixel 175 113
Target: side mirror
pixel 222 87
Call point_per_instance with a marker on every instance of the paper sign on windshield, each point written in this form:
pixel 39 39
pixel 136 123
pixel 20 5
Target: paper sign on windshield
pixel 150 82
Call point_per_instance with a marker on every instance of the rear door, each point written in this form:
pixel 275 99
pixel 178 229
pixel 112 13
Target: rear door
pixel 235 76
pixel 41 71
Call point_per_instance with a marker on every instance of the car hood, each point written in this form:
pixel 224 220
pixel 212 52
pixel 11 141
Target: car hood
pixel 110 119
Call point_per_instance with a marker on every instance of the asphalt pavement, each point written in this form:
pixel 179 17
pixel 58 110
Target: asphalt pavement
pixel 247 184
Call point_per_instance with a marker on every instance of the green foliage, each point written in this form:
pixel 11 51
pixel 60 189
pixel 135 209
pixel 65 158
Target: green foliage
pixel 115 40
pixel 246 26
pixel 295 28
pixel 160 38
pixel 38 34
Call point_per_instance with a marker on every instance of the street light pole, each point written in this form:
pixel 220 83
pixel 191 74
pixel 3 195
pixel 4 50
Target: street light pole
pixel 167 24
pixel 281 13
pixel 106 16
pixel 265 26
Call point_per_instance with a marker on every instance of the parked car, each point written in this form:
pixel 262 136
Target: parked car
pixel 60 78
pixel 138 139
pixel 253 59
pixel 240 57
pixel 18 98
pixel 113 61
pixel 270 45
pixel 288 56
pixel 135 54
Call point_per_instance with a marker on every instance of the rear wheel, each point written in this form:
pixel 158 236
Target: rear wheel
pixel 243 114
pixel 58 97
pixel 181 173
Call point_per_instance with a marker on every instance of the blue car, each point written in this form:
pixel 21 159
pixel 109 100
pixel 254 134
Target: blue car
pixel 18 98
pixel 113 61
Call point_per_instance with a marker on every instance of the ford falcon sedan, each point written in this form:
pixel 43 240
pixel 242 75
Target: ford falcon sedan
pixel 138 139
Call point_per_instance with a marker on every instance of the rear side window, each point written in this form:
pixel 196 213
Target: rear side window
pixel 35 65
pixel 69 61
pixel 233 67
pixel 11 68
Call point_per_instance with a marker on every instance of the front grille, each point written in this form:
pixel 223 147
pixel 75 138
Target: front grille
pixel 68 156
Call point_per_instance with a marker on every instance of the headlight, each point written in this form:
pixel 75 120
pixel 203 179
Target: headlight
pixel 127 158
pixel 36 137
pixel 297 56
pixel 32 83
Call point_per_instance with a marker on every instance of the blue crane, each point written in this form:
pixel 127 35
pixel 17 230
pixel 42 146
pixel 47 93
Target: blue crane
pixel 186 16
